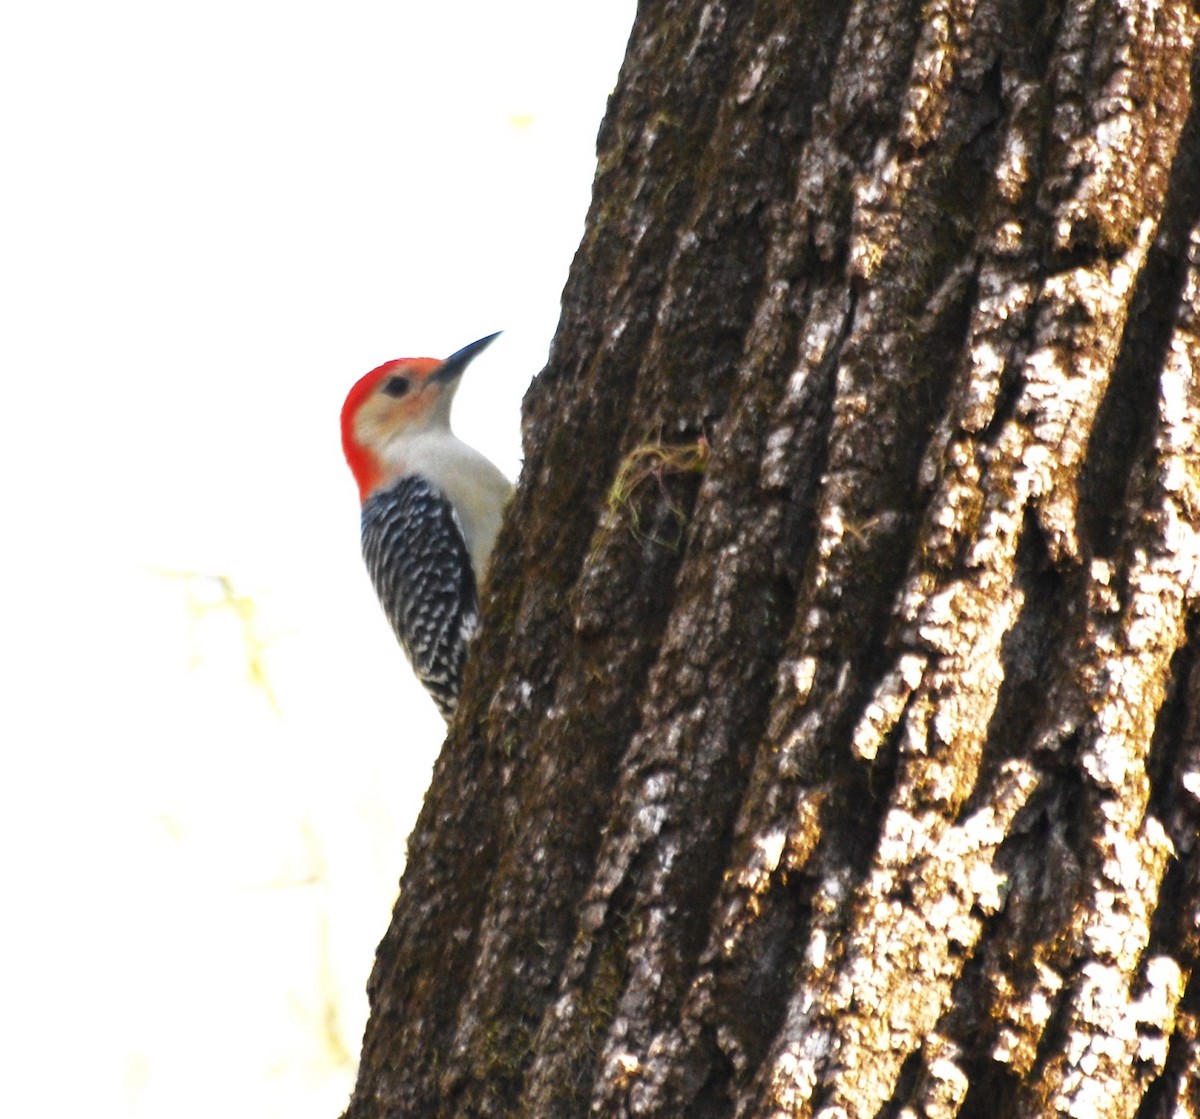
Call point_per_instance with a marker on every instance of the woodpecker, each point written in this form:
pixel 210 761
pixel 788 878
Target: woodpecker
pixel 431 509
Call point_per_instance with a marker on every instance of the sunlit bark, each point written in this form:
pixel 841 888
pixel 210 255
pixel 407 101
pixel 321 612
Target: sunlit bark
pixel 832 744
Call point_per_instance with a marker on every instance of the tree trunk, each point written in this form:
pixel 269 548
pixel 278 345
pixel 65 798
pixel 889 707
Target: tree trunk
pixel 832 743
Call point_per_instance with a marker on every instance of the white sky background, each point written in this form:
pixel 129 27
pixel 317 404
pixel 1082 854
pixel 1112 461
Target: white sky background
pixel 213 219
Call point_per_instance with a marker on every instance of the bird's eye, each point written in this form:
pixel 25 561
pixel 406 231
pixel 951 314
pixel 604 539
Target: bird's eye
pixel 396 386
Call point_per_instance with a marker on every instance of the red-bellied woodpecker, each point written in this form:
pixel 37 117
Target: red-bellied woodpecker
pixel 431 509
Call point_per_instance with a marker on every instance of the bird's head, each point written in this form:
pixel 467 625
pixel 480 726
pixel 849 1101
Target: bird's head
pixel 395 401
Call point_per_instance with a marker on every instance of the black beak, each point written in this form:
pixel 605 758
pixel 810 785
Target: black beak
pixel 457 362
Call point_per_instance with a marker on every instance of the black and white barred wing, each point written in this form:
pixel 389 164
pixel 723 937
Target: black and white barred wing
pixel 414 547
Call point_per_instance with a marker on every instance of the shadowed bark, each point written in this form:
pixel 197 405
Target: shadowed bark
pixel 832 742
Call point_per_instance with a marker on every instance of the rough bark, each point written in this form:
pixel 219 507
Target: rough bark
pixel 832 743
